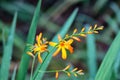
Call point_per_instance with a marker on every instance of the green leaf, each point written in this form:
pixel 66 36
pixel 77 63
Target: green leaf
pixel 91 55
pixel 105 70
pixel 7 52
pixel 47 57
pixel 30 40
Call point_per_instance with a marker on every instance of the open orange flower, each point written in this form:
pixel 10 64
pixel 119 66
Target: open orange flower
pixel 62 45
pixel 39 47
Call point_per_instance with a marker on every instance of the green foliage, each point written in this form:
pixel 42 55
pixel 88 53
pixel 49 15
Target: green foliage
pixel 105 70
pixel 7 52
pixel 91 56
pixel 30 40
pixel 48 57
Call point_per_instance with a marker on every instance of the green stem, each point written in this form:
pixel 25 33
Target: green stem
pixel 32 67
pixel 52 71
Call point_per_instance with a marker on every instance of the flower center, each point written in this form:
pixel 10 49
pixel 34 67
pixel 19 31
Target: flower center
pixel 62 44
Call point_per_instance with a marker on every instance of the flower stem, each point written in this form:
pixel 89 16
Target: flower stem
pixel 33 62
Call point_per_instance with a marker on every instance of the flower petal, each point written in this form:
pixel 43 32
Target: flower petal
pixel 70 41
pixel 52 43
pixel 56 75
pixel 29 53
pixel 36 49
pixel 59 37
pixel 39 58
pixel 38 39
pixel 40 35
pixel 70 48
pixel 64 54
pixel 56 52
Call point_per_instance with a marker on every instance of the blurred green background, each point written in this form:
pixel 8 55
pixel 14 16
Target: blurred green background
pixel 88 54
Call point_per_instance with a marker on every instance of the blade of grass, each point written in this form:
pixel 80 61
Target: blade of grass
pixel 99 4
pixel 7 52
pixel 116 71
pixel 105 70
pixel 91 55
pixel 30 40
pixel 18 42
pixel 116 9
pixel 48 57
pixel 14 73
pixel 112 23
pixel 24 13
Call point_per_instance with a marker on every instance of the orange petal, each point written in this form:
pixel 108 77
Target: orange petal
pixel 56 52
pixel 52 43
pixel 64 54
pixel 40 35
pixel 29 53
pixel 36 49
pixel 39 58
pixel 70 48
pixel 59 37
pixel 56 75
pixel 70 41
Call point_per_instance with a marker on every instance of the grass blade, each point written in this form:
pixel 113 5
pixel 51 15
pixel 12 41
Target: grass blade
pixel 14 73
pixel 7 52
pixel 91 55
pixel 30 40
pixel 48 57
pixel 99 5
pixel 105 70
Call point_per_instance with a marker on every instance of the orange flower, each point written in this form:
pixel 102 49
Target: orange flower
pixel 62 45
pixel 39 47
